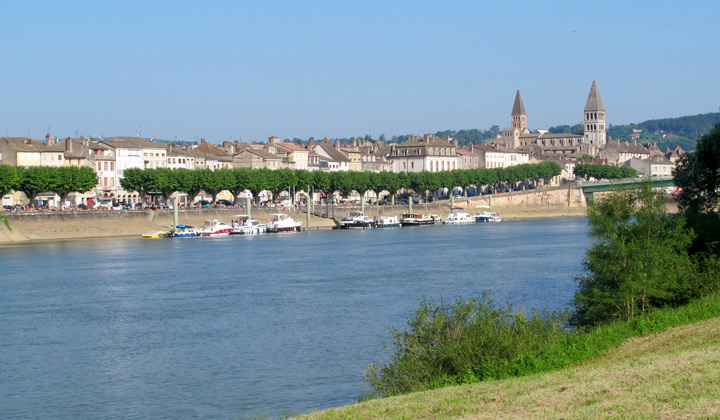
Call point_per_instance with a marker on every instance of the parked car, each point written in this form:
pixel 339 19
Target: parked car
pixel 224 203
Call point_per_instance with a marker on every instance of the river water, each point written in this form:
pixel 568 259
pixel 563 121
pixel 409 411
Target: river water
pixel 239 327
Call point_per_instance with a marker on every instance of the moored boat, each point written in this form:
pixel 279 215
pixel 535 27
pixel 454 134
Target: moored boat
pixel 459 218
pixel 388 222
pixel 246 225
pixel 416 219
pixel 487 216
pixel 357 220
pixel 183 231
pixel 154 234
pixel 281 222
pixel 214 227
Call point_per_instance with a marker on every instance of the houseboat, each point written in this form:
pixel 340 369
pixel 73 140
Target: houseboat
pixel 388 222
pixel 416 219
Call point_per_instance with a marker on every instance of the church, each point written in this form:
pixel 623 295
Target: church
pixel 543 145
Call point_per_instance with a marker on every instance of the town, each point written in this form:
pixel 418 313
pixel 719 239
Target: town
pixel 515 145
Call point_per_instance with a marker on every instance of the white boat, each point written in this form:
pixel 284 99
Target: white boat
pixel 416 219
pixel 214 228
pixel 437 220
pixel 459 218
pixel 183 231
pixel 357 220
pixel 487 216
pixel 281 222
pixel 388 222
pixel 246 225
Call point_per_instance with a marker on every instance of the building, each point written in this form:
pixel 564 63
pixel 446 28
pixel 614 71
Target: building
pixel 21 151
pixel 257 159
pixel 426 153
pixel 331 158
pixel 617 152
pixel 543 145
pixel 651 167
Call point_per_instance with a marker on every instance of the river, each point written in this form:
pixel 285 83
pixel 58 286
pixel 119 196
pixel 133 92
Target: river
pixel 238 327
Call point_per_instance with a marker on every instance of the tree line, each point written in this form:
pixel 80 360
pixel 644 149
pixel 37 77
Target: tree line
pixel 165 182
pixel 36 180
pixel 599 171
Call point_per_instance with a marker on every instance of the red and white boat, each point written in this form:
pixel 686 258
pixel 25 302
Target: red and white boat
pixel 214 228
pixel 281 222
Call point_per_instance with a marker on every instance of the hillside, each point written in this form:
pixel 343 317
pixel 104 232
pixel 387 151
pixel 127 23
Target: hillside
pixel 672 374
pixel 666 131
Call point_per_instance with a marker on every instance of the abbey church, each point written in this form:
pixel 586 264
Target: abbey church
pixel 543 145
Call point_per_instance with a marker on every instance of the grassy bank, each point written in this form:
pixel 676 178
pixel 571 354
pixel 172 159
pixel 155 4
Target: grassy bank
pixel 665 364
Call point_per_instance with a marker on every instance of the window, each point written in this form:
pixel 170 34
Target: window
pixel 412 165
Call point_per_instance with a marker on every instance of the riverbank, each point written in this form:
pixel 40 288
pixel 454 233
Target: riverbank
pixel 57 225
pixel 668 375
pixel 666 366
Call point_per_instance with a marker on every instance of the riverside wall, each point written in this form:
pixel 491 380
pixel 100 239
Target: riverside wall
pixel 55 225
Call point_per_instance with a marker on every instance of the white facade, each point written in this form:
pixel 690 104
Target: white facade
pixel 515 158
pixel 127 158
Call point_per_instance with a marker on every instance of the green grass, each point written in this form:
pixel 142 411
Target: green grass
pixel 666 364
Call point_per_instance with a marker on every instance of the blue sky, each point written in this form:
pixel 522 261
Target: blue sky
pixel 224 70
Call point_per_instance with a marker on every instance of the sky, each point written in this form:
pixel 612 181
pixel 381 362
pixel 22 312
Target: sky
pixel 235 70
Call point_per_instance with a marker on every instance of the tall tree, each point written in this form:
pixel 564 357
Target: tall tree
pixel 698 174
pixel 639 260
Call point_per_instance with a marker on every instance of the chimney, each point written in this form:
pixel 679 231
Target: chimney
pixel 471 147
pixel 455 142
pixel 48 139
pixel 355 142
pixel 233 148
pixel 68 144
pixel 411 137
pixel 337 144
pixel 272 140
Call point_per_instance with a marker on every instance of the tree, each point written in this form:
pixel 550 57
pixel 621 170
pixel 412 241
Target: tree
pixel 9 179
pixel 698 174
pixel 34 180
pixel 219 180
pixel 639 260
pixel 188 181
pixel 67 179
pixel 138 180
pixel 164 181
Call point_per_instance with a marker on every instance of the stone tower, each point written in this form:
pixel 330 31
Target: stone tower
pixel 595 118
pixel 519 116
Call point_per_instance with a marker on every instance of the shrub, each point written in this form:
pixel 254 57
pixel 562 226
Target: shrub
pixel 445 342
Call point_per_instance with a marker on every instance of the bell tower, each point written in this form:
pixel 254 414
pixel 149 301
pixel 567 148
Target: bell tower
pixel 594 120
pixel 519 116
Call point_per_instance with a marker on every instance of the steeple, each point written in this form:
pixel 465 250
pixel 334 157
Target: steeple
pixel 594 101
pixel 594 118
pixel 519 116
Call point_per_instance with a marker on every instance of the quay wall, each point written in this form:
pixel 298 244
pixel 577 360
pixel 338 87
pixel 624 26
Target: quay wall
pixel 54 225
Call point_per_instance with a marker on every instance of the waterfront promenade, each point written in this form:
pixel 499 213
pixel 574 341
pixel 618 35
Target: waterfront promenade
pixel 55 225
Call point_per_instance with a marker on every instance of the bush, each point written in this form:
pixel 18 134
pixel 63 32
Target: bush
pixel 445 343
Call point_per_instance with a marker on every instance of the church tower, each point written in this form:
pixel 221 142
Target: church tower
pixel 594 118
pixel 519 116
